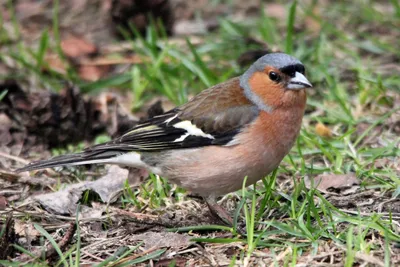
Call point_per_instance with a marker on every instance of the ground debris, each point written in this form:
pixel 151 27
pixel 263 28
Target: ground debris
pixel 174 216
pixel 50 250
pixel 333 183
pixel 163 239
pixel 7 237
pixel 46 119
pixel 107 187
pixel 355 200
pixel 26 178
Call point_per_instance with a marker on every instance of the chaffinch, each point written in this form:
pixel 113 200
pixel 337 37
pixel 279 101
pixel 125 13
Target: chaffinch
pixel 238 128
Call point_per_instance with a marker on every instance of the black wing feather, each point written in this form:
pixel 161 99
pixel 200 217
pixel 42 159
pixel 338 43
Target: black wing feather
pixel 159 133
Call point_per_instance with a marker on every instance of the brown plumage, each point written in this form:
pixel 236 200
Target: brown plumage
pixel 221 108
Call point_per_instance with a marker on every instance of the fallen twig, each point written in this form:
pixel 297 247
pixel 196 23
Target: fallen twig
pixel 141 218
pixel 18 159
pixel 50 251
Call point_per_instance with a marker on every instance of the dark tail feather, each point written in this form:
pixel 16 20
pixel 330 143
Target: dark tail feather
pixel 69 159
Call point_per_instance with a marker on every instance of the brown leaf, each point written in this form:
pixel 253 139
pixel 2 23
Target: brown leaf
pixel 92 73
pixel 323 130
pixel 332 182
pixel 275 10
pixel 75 46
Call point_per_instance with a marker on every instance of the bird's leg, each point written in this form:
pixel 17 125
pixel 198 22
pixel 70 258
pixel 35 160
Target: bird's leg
pixel 218 211
pixel 221 214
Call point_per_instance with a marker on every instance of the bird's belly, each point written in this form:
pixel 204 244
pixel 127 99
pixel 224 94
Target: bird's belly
pixel 218 170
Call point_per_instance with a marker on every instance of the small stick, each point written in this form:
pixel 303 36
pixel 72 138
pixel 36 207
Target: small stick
pixel 50 250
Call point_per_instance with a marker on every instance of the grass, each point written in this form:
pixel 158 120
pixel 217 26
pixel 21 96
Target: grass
pixel 352 86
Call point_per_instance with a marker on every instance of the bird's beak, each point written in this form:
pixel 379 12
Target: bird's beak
pixel 299 81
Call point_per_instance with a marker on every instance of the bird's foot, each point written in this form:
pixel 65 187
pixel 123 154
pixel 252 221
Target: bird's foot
pixel 222 214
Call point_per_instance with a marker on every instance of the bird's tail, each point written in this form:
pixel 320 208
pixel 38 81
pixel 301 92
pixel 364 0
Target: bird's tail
pixel 70 159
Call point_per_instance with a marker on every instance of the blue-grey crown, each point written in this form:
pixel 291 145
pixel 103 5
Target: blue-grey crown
pixel 276 60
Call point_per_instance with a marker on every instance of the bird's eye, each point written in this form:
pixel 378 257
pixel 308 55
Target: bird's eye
pixel 274 76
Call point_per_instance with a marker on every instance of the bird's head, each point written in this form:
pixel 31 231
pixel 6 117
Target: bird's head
pixel 275 80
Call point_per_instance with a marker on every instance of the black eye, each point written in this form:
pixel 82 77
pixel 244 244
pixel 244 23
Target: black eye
pixel 274 76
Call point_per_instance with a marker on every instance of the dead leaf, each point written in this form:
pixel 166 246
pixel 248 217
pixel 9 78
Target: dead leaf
pixel 92 212
pixel 63 201
pixel 323 130
pixel 107 187
pixel 109 184
pixel 26 230
pixel 163 239
pixel 92 73
pixel 274 10
pixel 327 183
pixel 75 46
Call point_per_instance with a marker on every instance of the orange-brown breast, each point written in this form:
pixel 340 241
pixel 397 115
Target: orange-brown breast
pixel 277 130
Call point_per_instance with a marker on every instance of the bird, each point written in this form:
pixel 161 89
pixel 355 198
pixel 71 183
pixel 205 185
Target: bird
pixel 242 127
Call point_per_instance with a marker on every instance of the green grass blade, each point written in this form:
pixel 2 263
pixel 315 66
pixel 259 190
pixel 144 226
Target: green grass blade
pixel 51 240
pixel 43 45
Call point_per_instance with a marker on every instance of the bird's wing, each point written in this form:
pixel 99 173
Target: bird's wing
pixel 213 117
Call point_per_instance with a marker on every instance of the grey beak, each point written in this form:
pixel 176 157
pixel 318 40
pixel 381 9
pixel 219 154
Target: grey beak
pixel 299 81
